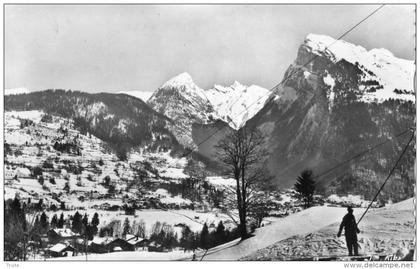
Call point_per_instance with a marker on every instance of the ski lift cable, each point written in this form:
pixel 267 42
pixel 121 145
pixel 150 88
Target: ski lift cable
pixel 360 154
pixel 289 76
pixel 389 175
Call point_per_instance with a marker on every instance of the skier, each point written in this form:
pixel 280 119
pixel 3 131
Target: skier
pixel 351 231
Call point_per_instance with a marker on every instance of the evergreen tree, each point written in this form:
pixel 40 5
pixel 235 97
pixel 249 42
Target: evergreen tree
pixel 305 187
pixel 220 234
pixel 76 224
pixel 95 219
pixel 94 223
pixel 44 222
pixel 204 237
pixel 60 223
pixel 85 220
pixel 39 204
pixel 54 221
pixel 187 238
pixel 126 227
pixel 14 229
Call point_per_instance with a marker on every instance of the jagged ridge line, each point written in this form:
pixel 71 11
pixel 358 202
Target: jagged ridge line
pixel 290 74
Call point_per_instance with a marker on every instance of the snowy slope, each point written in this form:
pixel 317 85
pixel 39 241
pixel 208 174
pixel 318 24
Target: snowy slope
pixel 309 220
pixel 142 95
pixel 16 91
pixel 394 74
pixel 237 103
pixel 384 231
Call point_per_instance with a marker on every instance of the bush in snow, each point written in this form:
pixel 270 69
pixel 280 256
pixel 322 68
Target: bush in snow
pixel 37 171
pixel 41 180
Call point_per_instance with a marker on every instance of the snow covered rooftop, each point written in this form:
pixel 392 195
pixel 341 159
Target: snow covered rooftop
pixel 64 232
pixel 58 247
pixel 102 240
pixel 132 239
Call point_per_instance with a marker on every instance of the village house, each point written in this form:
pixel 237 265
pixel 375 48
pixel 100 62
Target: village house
pixel 61 250
pixel 138 242
pixel 17 172
pixel 100 244
pixel 9 172
pixel 111 244
pixel 60 235
pixel 119 244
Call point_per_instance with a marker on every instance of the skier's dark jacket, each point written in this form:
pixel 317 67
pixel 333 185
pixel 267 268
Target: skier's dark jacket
pixel 350 226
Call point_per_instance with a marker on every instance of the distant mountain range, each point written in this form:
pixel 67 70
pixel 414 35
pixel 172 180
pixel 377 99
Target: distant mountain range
pixel 335 100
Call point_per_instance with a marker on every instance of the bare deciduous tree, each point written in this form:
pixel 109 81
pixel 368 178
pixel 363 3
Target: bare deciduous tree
pixel 243 154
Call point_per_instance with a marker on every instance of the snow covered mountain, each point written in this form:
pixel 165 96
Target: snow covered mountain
pixel 196 111
pixel 346 100
pixel 142 95
pixel 16 91
pixel 382 75
pixel 237 103
pixel 181 100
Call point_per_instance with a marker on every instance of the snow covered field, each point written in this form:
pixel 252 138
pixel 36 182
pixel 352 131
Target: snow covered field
pixel 128 256
pixel 191 218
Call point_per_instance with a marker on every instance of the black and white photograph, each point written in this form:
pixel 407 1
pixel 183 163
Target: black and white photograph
pixel 200 132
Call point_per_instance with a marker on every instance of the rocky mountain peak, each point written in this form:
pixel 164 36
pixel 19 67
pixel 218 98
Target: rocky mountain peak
pixel 381 75
pixel 183 79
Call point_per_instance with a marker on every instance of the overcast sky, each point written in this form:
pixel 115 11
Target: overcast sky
pixel 113 48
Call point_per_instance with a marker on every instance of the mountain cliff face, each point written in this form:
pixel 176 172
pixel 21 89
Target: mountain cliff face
pixel 181 100
pixel 121 120
pixel 345 101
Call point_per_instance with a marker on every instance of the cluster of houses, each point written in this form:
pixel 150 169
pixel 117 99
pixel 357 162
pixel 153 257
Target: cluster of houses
pixel 64 242
pixel 13 172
